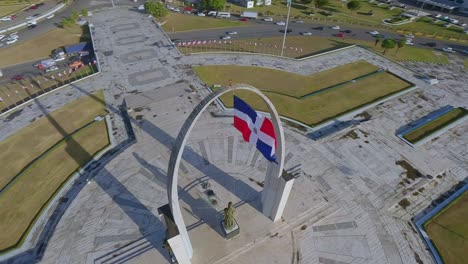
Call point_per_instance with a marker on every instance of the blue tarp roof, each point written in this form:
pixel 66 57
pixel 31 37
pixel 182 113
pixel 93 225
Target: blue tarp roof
pixel 78 47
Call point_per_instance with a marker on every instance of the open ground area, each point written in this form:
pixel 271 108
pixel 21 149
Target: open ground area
pixel 435 125
pixel 26 145
pixel 449 232
pixel 10 9
pixel 43 45
pixel 345 204
pixel 289 97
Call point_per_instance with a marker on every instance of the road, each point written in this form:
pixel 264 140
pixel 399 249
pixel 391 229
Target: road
pixel 21 16
pixel 269 29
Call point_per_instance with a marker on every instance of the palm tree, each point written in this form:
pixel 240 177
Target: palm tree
pixel 400 44
pixel 377 40
pixel 388 44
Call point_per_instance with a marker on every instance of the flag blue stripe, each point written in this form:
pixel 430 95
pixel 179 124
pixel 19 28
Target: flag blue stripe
pixel 242 106
pixel 265 150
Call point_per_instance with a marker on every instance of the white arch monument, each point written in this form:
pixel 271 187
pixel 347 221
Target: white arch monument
pixel 276 190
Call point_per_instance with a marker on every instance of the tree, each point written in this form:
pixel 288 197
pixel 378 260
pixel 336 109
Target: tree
pixel 156 9
pixel 67 22
pixel 306 2
pixel 84 12
pixel 74 15
pixel 388 44
pixel 321 3
pixel 400 44
pixel 213 4
pixel 354 5
pixel 378 38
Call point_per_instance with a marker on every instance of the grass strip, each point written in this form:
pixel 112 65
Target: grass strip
pixel 435 125
pixel 448 231
pixel 180 22
pixel 312 110
pixel 21 148
pixel 22 203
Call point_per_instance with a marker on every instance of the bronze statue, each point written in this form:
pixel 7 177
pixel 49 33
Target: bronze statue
pixel 229 216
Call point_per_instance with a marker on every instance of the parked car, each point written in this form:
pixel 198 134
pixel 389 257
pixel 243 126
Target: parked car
pixel 32 17
pixel 225 37
pixel 176 10
pixel 374 33
pixel 299 21
pixel 287 30
pixel 32 26
pixel 431 44
pixel 34 7
pixel 244 19
pixel 448 49
pixel 319 28
pixel 409 42
pixel 17 77
pixel 231 32
pixel 268 19
pixel 340 35
pixel 408 36
pixel 281 23
pixel 306 33
pixel 336 27
pixel 201 14
pixel 7 18
pixel 51 69
pixel 50 16
pixel 2 36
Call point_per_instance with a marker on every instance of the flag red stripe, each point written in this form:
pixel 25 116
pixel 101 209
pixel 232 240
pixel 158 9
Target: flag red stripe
pixel 267 128
pixel 243 127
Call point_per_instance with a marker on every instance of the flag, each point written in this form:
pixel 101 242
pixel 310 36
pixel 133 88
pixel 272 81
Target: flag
pixel 31 86
pixel 199 42
pixel 255 128
pixel 44 78
pixel 24 87
pixel 64 72
pixel 70 70
pixel 183 43
pixel 301 49
pixel 204 42
pixel 94 61
pixel 1 99
pixel 16 91
pixel 38 82
pixel 53 77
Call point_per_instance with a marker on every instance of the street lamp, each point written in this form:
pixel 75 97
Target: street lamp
pixel 286 27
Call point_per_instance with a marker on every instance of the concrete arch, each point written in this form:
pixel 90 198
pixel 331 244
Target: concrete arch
pixel 270 200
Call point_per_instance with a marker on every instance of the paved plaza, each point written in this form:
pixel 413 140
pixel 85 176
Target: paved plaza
pixel 343 208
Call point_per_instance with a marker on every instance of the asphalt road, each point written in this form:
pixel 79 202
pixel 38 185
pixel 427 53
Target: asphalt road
pixel 270 29
pixel 21 16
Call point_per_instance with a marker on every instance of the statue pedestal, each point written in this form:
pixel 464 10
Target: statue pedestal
pixel 230 233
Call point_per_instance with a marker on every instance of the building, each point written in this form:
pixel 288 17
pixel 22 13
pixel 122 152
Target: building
pixel 446 5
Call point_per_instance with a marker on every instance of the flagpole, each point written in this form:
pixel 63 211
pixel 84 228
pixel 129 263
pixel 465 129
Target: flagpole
pixel 286 27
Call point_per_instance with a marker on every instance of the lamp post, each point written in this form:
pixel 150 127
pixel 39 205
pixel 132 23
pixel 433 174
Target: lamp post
pixel 286 27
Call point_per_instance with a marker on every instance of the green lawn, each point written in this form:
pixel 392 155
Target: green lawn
pixel 436 124
pixel 180 22
pixel 311 45
pixel 6 10
pixel 21 148
pixel 448 231
pixel 22 202
pixel 465 63
pixel 311 110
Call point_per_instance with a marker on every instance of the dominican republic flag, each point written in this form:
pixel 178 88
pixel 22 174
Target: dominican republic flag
pixel 255 128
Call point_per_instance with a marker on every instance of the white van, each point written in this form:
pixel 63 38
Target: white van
pixel 223 15
pixel 212 13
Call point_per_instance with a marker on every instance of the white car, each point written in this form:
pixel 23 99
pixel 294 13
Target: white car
pixel 32 17
pixel 50 16
pixel 201 14
pixel 438 15
pixel 176 10
pixel 306 33
pixel 11 41
pixel 409 36
pixel 13 37
pixel 448 49
pixel 374 33
pixel 226 37
pixel 336 27
pixel 231 33
pixel 299 21
pixel 268 19
pixel 7 18
pixel 281 23
pixel 409 42
pixel 2 36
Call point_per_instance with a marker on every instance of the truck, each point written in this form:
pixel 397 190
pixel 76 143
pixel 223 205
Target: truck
pixel 249 14
pixel 44 64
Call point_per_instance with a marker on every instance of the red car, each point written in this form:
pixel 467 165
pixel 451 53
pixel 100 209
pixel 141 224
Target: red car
pixel 340 35
pixel 17 78
pixel 244 19
pixel 13 17
pixel 34 7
